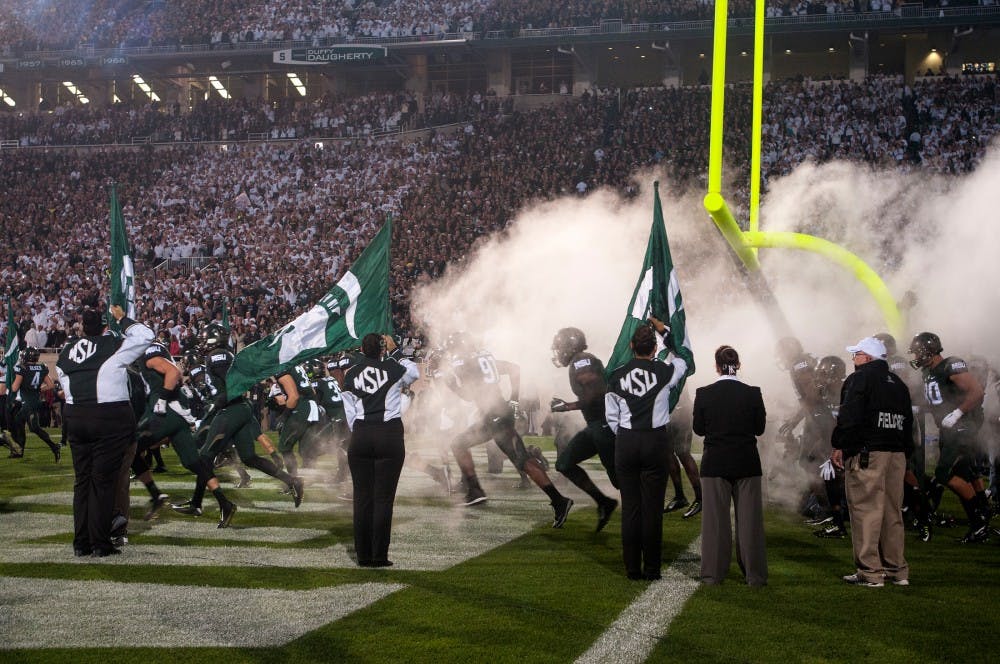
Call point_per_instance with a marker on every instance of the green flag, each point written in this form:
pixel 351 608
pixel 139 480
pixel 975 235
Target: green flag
pixel 225 313
pixel 356 305
pixel 122 269
pixel 11 347
pixel 656 294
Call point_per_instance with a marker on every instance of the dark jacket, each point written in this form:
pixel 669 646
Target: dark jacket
pixel 874 412
pixel 730 415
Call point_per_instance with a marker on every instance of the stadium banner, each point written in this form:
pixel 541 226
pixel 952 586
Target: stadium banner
pixel 10 346
pixel 122 268
pixel 657 294
pixel 356 305
pixel 330 55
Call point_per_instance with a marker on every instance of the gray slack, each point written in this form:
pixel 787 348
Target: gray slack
pixel 718 493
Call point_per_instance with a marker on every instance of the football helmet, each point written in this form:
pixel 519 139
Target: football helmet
pixel 568 342
pixel 889 341
pixel 787 350
pixel 923 348
pixel 458 342
pixel 314 368
pixel 832 370
pixel 30 355
pixel 213 336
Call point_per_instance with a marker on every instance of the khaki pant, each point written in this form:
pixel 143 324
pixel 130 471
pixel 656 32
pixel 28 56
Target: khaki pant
pixel 875 499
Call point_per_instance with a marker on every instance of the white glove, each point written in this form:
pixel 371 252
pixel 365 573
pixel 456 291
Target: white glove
pixel 952 418
pixel 826 470
pixel 515 408
pixel 196 425
pixel 182 411
pixel 160 407
pixel 557 405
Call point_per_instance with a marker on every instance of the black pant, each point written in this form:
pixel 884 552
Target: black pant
pixel 596 438
pixel 375 456
pixel 641 462
pixel 98 437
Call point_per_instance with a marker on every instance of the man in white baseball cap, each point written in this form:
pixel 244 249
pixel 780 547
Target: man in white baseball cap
pixel 870 346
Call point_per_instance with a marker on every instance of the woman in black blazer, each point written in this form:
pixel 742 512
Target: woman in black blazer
pixel 730 415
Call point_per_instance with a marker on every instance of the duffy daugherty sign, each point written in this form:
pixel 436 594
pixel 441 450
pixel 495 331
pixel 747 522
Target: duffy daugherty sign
pixel 330 55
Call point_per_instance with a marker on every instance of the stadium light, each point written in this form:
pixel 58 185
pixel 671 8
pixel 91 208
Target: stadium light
pixel 297 82
pixel 76 92
pixel 5 98
pixel 219 87
pixel 144 86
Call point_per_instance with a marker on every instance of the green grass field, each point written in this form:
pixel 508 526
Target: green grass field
pixel 487 584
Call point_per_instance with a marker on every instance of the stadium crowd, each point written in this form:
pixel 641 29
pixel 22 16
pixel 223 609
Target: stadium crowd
pixel 270 225
pixel 217 119
pixel 70 24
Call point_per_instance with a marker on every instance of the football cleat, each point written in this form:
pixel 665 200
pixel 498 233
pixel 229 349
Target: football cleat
pixel 187 508
pixel 604 512
pixel 675 504
pixel 562 511
pixel 924 532
pixel 226 514
pixel 474 496
pixel 694 509
pixel 831 532
pixel 822 520
pixel 297 490
pixel 976 535
pixel 244 482
pixel 154 507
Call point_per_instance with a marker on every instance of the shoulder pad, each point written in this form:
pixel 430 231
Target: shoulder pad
pixel 956 365
pixel 156 350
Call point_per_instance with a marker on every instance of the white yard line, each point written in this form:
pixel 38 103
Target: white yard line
pixel 50 613
pixel 638 629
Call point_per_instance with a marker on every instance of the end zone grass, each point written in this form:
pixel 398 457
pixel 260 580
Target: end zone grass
pixel 548 595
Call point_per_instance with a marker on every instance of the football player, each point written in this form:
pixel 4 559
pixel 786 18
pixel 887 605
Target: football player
pixel 679 434
pixel 812 444
pixel 15 450
pixel 586 379
pixel 293 394
pixel 231 419
pixel 31 378
pixel 475 376
pixel 830 374
pixel 955 400
pixel 168 416
pixel 916 507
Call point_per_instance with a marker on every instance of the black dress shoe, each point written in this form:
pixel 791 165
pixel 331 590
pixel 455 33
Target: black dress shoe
pixel 365 563
pixel 381 563
pixel 103 553
pixel 81 552
pixel 652 576
pixel 634 576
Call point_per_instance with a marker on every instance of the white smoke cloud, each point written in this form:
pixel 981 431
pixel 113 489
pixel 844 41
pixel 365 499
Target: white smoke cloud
pixel 575 261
